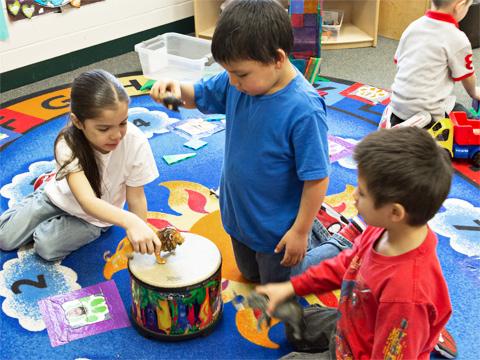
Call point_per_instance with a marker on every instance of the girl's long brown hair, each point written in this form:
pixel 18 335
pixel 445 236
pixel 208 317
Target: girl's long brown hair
pixel 92 92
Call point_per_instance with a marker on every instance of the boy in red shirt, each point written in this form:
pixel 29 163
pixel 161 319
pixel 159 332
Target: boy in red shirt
pixel 394 300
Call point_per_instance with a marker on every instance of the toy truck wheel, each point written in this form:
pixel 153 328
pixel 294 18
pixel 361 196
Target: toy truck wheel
pixel 476 159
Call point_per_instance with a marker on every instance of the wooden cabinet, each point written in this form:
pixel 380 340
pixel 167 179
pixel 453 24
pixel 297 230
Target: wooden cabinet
pixel 360 22
pixel 359 27
pixel 206 13
pixel 396 15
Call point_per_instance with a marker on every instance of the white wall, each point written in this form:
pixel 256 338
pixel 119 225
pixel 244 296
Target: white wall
pixel 46 36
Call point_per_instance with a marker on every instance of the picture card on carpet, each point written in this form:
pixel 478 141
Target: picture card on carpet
pixel 83 313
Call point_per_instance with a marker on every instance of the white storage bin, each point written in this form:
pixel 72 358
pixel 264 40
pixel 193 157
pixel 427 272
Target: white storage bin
pixel 331 24
pixel 175 56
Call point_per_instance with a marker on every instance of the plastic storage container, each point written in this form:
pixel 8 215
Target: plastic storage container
pixel 176 56
pixel 331 24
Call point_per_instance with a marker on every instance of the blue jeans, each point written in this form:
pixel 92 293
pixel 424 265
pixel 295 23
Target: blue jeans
pixel 265 267
pixel 321 246
pixel 55 232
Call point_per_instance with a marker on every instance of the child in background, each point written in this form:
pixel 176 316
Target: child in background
pixel 102 161
pixel 432 55
pixel 276 161
pixel 394 300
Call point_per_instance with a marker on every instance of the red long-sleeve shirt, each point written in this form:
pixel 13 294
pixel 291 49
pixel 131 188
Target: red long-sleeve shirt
pixel 390 307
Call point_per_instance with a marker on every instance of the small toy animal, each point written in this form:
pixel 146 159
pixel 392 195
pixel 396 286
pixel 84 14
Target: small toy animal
pixel 171 102
pixel 169 237
pixel 289 311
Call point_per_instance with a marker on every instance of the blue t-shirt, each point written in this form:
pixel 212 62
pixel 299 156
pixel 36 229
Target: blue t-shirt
pixel 273 143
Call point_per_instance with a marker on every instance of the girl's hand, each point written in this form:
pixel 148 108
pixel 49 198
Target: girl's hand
pixel 276 293
pixel 160 87
pixel 143 238
pixel 295 245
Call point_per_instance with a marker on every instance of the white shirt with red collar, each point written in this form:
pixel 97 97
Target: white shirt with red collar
pixel 432 55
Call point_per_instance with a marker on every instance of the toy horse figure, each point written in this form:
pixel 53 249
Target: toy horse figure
pixel 169 237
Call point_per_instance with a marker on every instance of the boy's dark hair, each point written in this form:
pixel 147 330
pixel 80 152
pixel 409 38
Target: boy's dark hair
pixel 92 92
pixel 252 30
pixel 443 3
pixel 406 166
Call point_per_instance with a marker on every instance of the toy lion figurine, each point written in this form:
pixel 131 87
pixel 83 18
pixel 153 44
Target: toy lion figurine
pixel 169 237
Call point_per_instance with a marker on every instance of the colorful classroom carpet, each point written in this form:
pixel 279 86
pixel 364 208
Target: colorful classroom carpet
pixel 181 196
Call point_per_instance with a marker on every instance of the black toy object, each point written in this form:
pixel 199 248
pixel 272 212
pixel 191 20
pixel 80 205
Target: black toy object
pixel 171 102
pixel 289 311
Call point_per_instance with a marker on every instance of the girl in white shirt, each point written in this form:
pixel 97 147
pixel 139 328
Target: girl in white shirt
pixel 102 161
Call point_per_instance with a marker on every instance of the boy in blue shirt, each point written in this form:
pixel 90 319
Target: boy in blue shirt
pixel 276 162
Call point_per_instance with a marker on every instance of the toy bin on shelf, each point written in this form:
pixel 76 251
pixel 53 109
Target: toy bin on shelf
pixel 331 24
pixel 175 56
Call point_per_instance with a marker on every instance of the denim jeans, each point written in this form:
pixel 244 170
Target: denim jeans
pixel 55 232
pixel 265 267
pixel 321 246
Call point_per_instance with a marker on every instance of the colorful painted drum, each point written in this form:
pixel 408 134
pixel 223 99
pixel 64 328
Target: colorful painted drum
pixel 182 298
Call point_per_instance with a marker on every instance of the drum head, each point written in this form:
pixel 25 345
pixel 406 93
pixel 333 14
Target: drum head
pixel 192 262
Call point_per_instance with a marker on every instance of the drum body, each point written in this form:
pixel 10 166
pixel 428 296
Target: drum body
pixel 182 298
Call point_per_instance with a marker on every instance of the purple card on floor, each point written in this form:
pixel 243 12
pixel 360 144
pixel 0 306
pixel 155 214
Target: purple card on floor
pixel 338 148
pixel 83 312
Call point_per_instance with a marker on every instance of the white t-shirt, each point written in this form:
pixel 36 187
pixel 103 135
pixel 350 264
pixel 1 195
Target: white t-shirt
pixel 130 164
pixel 432 54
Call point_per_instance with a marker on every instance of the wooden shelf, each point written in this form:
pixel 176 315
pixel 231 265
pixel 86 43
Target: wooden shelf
pixel 350 37
pixel 206 13
pixel 206 34
pixel 360 23
pixel 359 28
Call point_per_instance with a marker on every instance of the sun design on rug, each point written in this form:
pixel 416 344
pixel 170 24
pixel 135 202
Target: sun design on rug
pixel 200 215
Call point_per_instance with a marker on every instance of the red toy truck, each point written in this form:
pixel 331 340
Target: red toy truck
pixel 459 135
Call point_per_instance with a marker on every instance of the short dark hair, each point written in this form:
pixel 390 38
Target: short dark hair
pixel 406 166
pixel 252 30
pixel 443 3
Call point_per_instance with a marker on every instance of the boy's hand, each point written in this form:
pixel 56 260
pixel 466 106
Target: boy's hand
pixel 143 238
pixel 276 293
pixel 295 245
pixel 160 88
